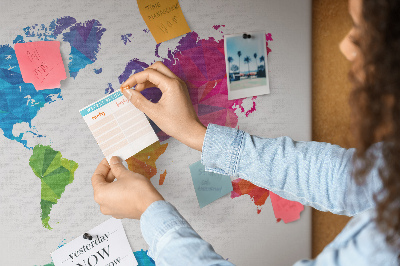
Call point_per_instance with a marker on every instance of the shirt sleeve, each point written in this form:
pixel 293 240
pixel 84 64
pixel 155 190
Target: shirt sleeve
pixel 172 241
pixel 312 173
pixel 360 243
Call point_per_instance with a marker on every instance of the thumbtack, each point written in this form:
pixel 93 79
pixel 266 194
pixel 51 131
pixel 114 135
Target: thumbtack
pixel 246 36
pixel 87 236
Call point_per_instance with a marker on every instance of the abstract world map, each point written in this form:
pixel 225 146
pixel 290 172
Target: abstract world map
pixel 198 62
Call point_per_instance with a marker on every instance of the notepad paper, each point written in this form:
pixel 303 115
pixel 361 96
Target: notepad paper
pixel 164 18
pixel 209 186
pixel 41 64
pixel 119 128
pixel 109 246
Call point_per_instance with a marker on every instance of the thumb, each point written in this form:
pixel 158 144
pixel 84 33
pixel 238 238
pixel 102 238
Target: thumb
pixel 138 100
pixel 118 169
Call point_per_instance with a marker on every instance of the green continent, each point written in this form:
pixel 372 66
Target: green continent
pixel 55 173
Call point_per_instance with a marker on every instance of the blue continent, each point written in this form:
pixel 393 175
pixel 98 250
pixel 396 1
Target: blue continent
pixel 19 101
pixel 143 259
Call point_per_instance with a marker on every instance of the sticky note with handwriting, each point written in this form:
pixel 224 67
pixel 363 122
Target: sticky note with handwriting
pixel 119 128
pixel 41 64
pixel 164 18
pixel 108 246
pixel 209 186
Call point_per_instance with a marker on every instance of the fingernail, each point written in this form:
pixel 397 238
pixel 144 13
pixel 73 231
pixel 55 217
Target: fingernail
pixel 115 160
pixel 129 92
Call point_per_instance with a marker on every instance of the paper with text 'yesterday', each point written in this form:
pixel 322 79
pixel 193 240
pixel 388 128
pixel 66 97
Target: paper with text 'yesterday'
pixel 209 186
pixel 164 18
pixel 119 128
pixel 41 64
pixel 109 246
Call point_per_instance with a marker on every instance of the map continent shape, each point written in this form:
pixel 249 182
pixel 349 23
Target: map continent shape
pixel 55 173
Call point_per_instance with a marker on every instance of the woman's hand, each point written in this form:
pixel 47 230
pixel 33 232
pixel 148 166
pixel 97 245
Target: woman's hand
pixel 174 113
pixel 127 197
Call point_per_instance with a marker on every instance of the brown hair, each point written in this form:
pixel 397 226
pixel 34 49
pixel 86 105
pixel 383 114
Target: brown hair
pixel 375 101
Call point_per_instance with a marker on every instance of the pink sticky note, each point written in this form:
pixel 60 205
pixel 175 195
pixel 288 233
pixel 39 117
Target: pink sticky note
pixel 286 210
pixel 41 64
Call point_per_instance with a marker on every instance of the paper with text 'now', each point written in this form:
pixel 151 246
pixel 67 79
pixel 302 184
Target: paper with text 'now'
pixel 41 64
pixel 108 246
pixel 164 18
pixel 119 128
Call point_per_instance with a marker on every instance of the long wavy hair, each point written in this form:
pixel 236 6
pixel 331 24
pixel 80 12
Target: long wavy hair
pixel 375 102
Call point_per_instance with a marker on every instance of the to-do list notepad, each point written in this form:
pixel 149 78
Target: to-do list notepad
pixel 118 126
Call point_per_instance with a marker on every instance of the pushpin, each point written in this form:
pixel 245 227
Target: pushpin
pixel 87 236
pixel 246 36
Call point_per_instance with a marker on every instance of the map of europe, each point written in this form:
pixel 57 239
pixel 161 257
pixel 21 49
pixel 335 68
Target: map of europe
pixel 199 62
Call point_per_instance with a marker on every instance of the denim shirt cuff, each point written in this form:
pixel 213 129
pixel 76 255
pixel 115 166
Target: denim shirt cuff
pixel 222 148
pixel 158 219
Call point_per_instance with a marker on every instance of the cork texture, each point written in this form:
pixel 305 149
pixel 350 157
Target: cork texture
pixel 330 103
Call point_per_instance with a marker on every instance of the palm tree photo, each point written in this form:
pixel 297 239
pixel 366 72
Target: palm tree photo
pixel 247 60
pixel 262 60
pixel 255 60
pixel 230 60
pixel 239 53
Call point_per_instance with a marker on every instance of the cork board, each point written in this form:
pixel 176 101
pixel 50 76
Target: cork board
pixel 330 96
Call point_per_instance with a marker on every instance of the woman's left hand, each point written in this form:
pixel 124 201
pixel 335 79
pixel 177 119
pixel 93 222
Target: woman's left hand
pixel 128 196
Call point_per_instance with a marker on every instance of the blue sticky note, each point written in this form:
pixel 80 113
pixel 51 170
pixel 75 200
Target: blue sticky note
pixel 209 186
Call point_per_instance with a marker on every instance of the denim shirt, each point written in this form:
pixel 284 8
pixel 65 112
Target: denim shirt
pixel 312 173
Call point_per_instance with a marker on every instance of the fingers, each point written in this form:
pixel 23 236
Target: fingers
pixel 160 67
pixel 140 102
pixel 100 174
pixel 143 86
pixel 105 210
pixel 118 168
pixel 110 177
pixel 149 75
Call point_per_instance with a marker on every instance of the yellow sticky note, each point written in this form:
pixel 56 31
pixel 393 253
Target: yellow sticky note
pixel 164 18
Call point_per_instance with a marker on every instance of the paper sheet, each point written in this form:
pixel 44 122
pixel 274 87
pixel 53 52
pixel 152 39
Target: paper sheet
pixel 209 186
pixel 118 126
pixel 164 18
pixel 246 64
pixel 41 64
pixel 109 246
pixel 286 210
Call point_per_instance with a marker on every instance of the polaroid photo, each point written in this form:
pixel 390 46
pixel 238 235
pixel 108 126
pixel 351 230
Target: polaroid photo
pixel 246 64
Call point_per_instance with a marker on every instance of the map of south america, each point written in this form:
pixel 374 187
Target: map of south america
pixel 55 174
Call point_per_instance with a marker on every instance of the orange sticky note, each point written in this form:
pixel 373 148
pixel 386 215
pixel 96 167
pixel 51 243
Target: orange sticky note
pixel 164 18
pixel 41 64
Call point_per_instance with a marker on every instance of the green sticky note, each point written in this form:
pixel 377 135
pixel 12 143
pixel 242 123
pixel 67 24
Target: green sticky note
pixel 209 186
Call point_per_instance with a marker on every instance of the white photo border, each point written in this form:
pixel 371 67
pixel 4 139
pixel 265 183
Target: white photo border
pixel 248 92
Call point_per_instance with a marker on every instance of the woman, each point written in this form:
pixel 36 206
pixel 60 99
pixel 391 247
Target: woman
pixel 362 182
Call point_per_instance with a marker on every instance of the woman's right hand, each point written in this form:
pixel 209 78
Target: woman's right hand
pixel 174 113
